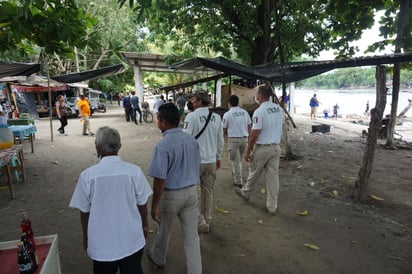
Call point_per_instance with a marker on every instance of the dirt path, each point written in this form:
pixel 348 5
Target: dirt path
pixel 353 238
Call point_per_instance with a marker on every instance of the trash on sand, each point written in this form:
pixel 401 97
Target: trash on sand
pixel 55 162
pixel 376 197
pixel 335 193
pixel 263 191
pixel 312 183
pixel 302 212
pixel 260 222
pixel 221 210
pixel 311 246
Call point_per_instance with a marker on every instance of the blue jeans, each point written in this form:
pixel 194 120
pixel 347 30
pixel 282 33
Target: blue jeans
pixel 134 118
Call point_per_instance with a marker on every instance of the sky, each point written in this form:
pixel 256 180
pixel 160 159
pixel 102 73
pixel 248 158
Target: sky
pixel 369 36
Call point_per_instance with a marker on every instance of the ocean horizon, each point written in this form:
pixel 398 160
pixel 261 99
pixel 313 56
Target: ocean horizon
pixel 350 101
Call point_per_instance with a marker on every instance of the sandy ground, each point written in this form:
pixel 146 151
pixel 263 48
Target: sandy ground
pixel 352 237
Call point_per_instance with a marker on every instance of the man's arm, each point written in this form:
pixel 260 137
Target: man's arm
pixel 145 222
pixel 254 134
pixel 84 220
pixel 58 110
pixel 220 144
pixel 158 189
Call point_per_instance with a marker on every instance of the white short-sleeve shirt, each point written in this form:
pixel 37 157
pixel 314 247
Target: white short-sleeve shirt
pixel 110 192
pixel 236 121
pixel 211 141
pixel 269 119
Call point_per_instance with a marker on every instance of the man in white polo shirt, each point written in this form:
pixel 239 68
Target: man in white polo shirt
pixel 263 150
pixel 237 124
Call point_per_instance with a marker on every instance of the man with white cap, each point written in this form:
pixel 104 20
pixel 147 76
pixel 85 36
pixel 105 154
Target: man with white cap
pixel 206 127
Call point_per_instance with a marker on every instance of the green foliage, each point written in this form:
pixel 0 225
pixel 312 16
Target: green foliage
pixel 350 77
pixel 54 25
pixel 256 31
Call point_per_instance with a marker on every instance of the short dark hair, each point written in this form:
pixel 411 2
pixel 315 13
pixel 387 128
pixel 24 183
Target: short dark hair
pixel 170 113
pixel 234 100
pixel 265 91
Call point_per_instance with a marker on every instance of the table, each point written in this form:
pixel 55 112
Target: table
pixel 20 121
pixel 6 157
pixel 47 251
pixel 21 132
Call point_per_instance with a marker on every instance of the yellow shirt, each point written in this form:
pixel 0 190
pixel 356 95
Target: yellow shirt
pixel 84 107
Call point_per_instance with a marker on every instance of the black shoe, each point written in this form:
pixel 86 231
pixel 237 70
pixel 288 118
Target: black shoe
pixel 149 257
pixel 85 134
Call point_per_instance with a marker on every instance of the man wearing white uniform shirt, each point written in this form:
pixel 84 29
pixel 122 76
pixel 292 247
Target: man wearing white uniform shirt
pixel 237 124
pixel 263 150
pixel 112 197
pixel 211 141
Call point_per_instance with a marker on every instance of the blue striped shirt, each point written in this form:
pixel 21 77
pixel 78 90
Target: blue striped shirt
pixel 176 158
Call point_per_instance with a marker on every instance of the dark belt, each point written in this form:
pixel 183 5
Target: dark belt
pixel 239 137
pixel 266 145
pixel 169 189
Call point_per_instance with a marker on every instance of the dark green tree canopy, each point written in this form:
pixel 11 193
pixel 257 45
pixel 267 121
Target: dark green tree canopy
pixel 257 31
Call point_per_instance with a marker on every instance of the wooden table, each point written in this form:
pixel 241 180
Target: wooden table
pixel 24 132
pixel 6 157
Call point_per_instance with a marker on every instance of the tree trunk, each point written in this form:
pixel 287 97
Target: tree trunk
pixel 361 187
pixel 396 74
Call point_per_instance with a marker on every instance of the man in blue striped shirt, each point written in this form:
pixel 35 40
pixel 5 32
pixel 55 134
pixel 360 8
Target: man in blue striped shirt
pixel 175 170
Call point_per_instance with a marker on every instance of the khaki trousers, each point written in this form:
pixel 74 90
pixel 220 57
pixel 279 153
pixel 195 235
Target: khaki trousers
pixel 207 185
pixel 86 124
pixel 264 160
pixel 182 204
pixel 236 148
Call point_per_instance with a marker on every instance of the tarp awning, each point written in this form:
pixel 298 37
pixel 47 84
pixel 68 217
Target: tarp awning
pixel 290 72
pixel 89 75
pixel 17 69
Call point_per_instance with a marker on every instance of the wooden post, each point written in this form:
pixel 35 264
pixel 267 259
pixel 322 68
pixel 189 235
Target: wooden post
pixel 361 190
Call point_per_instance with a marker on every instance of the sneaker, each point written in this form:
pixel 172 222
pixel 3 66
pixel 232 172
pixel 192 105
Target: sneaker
pixel 203 227
pixel 239 192
pixel 237 185
pixel 149 257
pixel 272 211
pixel 91 134
pixel 66 134
pixel 85 134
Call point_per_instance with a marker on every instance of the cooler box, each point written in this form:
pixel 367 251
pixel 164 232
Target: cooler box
pixel 321 128
pixel 47 251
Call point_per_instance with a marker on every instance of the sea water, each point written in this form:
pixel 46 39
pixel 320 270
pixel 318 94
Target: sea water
pixel 350 102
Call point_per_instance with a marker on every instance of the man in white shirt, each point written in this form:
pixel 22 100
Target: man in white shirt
pixel 211 145
pixel 112 197
pixel 263 150
pixel 237 124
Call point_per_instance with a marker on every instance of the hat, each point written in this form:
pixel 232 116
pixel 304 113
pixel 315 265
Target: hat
pixel 201 94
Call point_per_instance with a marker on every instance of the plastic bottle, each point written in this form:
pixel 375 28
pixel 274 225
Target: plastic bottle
pixel 25 226
pixel 30 250
pixel 6 137
pixel 24 262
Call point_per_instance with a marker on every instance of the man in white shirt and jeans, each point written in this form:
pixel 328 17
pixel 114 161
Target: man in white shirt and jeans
pixel 112 197
pixel 237 124
pixel 211 146
pixel 263 150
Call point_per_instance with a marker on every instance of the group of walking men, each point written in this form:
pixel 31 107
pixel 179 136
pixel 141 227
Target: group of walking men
pixel 131 107
pixel 112 195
